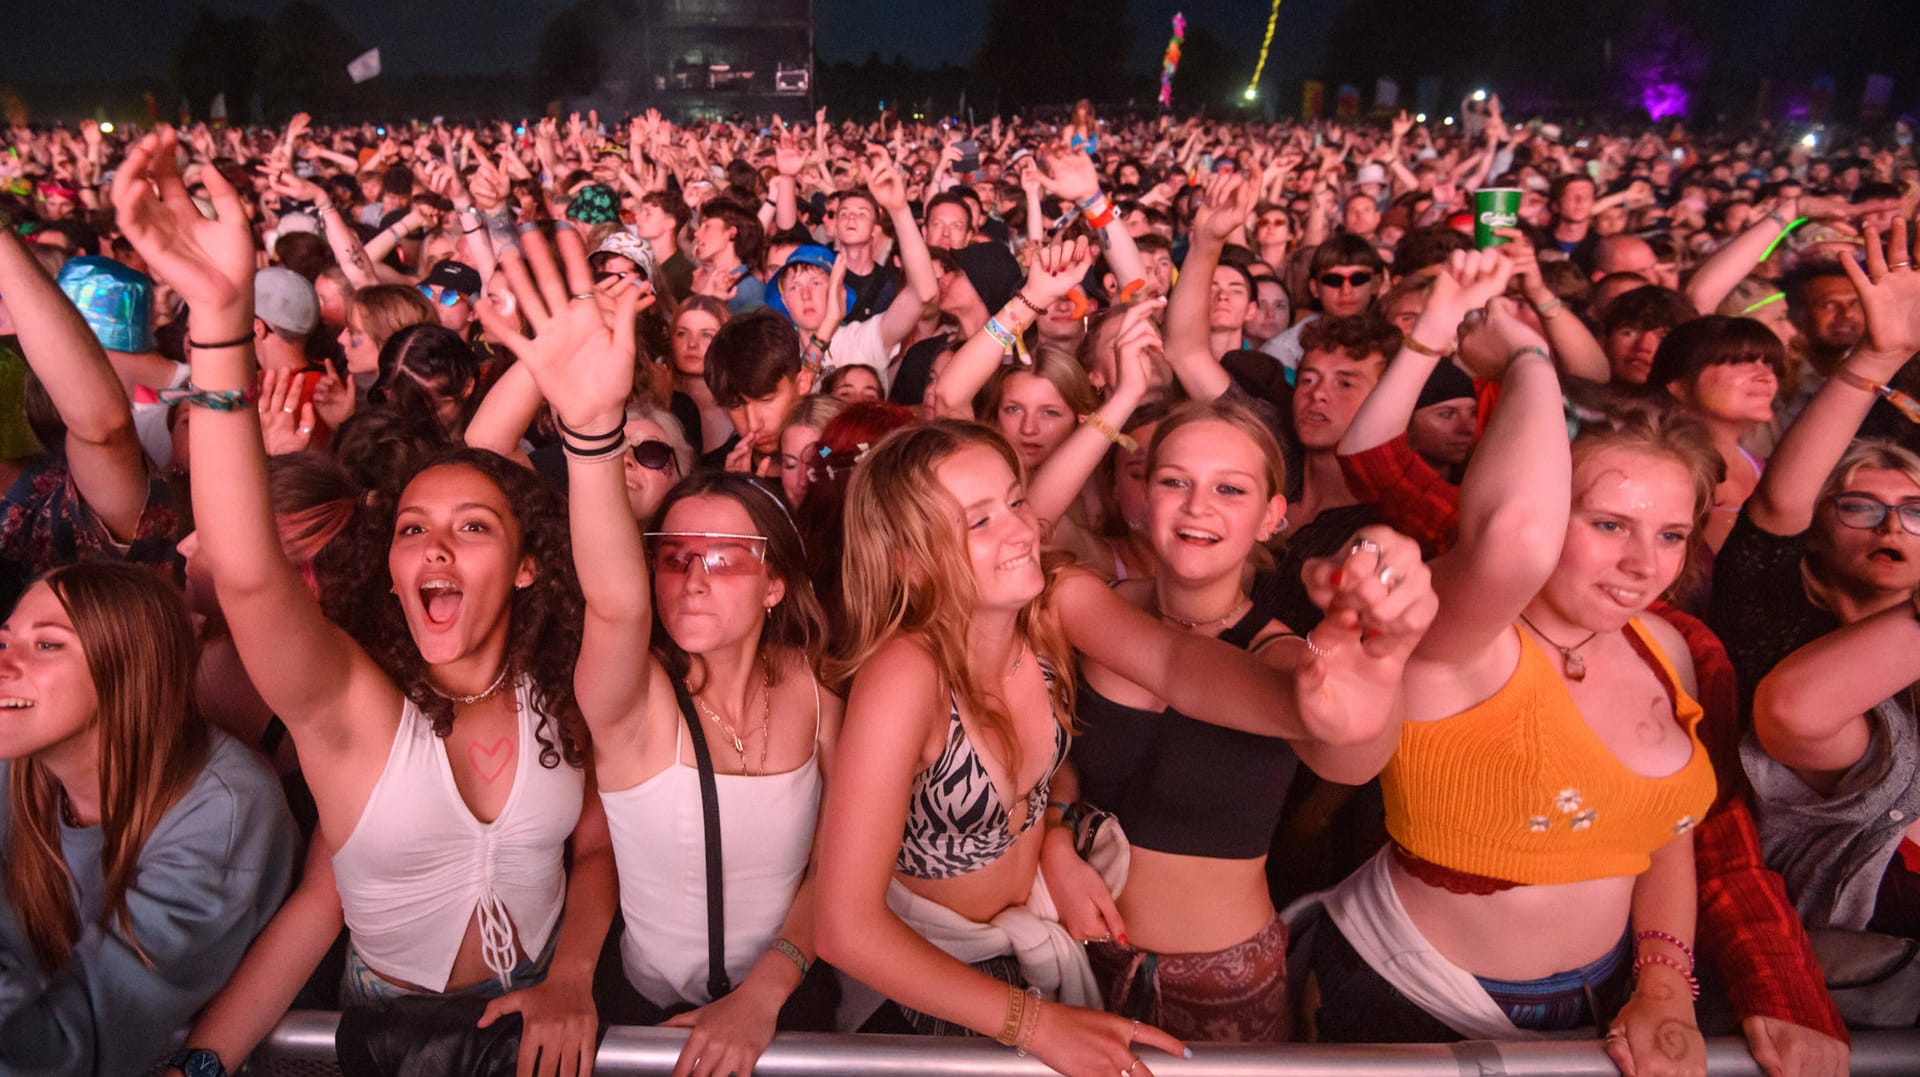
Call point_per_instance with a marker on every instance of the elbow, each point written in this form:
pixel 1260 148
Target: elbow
pixel 1780 711
pixel 1522 534
pixel 107 424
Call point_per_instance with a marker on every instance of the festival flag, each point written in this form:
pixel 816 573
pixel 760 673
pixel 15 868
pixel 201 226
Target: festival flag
pixel 1386 94
pixel 1171 61
pixel 365 66
pixel 1313 99
pixel 1346 103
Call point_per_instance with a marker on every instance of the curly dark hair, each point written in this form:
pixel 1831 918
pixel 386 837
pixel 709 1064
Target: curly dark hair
pixel 543 626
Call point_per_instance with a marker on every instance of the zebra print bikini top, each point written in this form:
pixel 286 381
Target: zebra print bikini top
pixel 956 820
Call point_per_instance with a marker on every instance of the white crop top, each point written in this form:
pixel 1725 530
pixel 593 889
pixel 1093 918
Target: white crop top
pixel 660 851
pixel 418 865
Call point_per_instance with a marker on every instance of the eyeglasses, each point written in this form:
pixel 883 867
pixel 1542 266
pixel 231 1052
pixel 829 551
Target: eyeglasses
pixel 723 553
pixel 446 297
pixel 1866 513
pixel 652 454
pixel 1357 279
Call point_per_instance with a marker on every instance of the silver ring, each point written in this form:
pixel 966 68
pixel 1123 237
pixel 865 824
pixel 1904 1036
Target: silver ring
pixel 582 295
pixel 1364 545
pixel 1315 649
pixel 1128 1072
pixel 1387 578
pixel 1901 265
pixel 289 409
pixel 306 430
pixel 1134 1032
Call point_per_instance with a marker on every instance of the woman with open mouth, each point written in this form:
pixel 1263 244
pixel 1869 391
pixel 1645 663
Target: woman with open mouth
pixel 697 682
pixel 439 731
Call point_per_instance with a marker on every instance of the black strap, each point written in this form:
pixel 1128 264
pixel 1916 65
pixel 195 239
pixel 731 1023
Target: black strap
pixel 718 986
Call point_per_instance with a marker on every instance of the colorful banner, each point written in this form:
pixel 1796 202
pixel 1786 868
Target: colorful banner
pixel 1313 100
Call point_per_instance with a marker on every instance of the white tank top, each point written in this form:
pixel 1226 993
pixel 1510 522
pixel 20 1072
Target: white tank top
pixel 418 866
pixel 660 850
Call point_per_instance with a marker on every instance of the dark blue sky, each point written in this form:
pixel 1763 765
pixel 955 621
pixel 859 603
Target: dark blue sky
pixel 76 41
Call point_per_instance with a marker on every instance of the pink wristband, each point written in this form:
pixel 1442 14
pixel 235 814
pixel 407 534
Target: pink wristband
pixel 1644 960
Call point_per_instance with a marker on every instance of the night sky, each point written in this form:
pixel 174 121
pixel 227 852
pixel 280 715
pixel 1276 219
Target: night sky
pixel 77 41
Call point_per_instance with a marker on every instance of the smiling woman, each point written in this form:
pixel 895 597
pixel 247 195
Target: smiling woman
pixel 143 850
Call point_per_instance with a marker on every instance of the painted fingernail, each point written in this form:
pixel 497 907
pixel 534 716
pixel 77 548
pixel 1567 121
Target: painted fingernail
pixel 1124 942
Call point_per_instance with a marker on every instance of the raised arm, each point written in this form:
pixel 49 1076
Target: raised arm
pixel 1727 267
pixel 1071 175
pixel 1783 503
pixel 103 452
pixel 1055 270
pixel 1466 283
pixel 890 191
pixel 1514 501
pixel 508 409
pixel 335 686
pixel 581 355
pixel 1576 352
pixel 1225 202
pixel 1057 484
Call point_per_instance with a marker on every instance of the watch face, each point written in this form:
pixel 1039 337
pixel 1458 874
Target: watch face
pixel 203 1063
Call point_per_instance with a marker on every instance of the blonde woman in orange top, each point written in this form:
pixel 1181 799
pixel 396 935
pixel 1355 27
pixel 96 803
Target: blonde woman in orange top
pixel 1548 773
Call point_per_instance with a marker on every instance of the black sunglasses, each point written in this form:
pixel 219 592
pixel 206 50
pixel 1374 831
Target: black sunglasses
pixel 653 454
pixel 1357 279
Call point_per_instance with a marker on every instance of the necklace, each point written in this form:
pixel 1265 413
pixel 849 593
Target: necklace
pixel 488 694
pixel 766 719
pixel 1575 665
pixel 1238 611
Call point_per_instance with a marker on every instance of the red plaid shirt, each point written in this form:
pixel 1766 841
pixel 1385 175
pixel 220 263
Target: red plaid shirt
pixel 1747 927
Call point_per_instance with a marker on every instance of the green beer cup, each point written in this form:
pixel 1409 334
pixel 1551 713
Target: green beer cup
pixel 1494 207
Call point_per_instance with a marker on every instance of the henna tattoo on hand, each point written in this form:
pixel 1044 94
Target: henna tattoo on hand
pixel 1674 1038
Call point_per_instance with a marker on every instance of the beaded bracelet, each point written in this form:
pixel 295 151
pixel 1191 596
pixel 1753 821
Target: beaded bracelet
pixel 1671 940
pixel 792 953
pixel 1548 309
pixel 1529 349
pixel 1021 298
pixel 211 399
pixel 1644 960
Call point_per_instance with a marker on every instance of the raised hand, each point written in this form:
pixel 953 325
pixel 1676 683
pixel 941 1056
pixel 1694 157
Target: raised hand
pixel 1068 172
pixel 1138 349
pixel 1225 202
pixel 1057 269
pixel 1471 278
pixel 209 263
pixel 286 424
pixel 333 400
pixel 1379 601
pixel 1889 292
pixel 581 351
pixel 888 187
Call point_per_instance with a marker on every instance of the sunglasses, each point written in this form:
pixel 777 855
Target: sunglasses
pixel 723 554
pixel 652 454
pixel 1866 513
pixel 1357 279
pixel 446 297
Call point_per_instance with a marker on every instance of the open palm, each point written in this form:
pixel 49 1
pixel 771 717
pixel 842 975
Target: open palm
pixel 208 262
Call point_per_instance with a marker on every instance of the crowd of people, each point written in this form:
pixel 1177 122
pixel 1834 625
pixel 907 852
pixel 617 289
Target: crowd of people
pixel 1107 586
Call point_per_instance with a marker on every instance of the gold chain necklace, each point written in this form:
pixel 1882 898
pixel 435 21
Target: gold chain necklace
pixel 766 719
pixel 1238 611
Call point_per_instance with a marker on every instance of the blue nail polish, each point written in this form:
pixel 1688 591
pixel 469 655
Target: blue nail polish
pixel 1187 1053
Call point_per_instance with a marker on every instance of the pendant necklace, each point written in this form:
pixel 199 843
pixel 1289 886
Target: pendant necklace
pixel 1576 666
pixel 739 744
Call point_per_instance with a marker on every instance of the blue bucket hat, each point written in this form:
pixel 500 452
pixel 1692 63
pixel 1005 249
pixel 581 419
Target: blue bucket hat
pixel 810 254
pixel 115 299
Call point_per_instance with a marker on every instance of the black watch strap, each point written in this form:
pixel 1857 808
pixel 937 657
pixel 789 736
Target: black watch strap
pixel 197 1062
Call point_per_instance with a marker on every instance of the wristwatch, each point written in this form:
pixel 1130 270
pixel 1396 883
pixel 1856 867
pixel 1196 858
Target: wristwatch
pixel 197 1062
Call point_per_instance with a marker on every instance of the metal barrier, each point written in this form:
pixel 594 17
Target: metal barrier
pixel 302 1045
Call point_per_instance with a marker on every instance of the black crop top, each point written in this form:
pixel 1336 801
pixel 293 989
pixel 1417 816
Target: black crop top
pixel 1179 785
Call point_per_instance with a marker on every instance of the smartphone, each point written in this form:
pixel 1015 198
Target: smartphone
pixel 969 156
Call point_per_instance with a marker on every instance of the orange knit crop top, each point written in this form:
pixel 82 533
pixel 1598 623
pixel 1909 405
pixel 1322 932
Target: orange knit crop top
pixel 1519 788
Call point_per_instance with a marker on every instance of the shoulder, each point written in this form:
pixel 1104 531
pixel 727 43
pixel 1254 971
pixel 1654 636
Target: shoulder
pixel 233 812
pixel 1673 646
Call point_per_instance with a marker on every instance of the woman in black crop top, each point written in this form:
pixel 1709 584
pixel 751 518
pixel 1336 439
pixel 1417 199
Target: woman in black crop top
pixel 1195 941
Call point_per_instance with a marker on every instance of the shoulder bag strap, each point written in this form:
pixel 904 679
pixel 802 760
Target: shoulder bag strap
pixel 718 986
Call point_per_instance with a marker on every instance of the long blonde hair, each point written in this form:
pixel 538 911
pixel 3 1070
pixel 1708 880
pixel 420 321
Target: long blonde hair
pixel 139 647
pixel 905 569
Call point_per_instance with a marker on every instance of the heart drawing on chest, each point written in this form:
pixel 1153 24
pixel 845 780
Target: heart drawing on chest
pixel 490 762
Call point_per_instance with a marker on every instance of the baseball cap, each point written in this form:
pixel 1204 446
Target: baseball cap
pixel 1370 173
pixel 809 254
pixel 115 299
pixel 285 300
pixel 455 276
